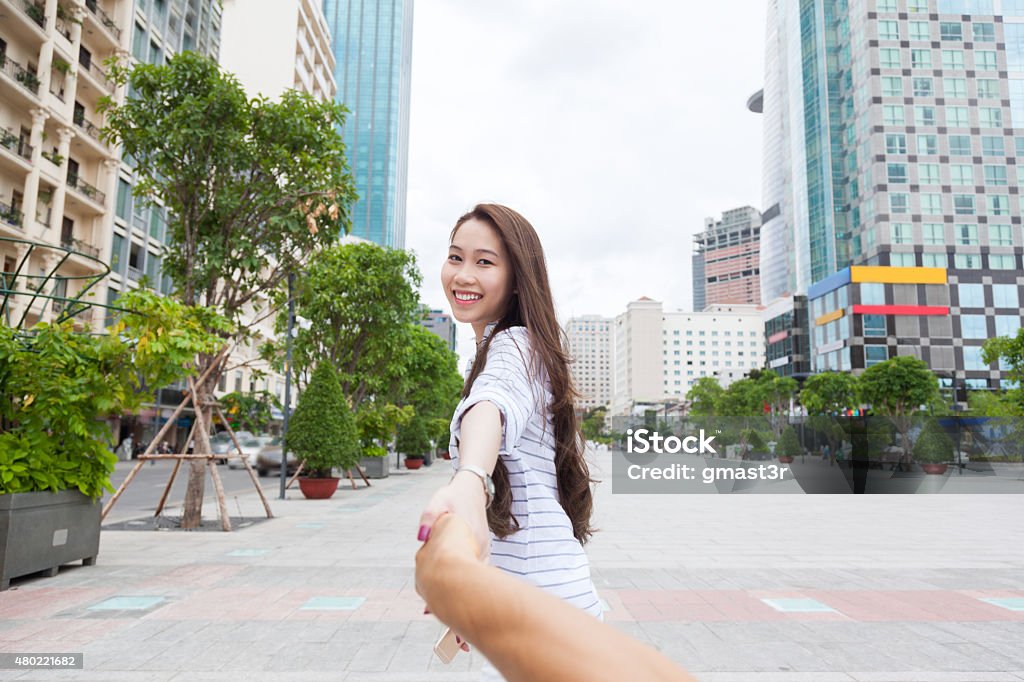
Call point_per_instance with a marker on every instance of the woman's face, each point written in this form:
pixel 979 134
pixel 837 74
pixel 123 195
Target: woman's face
pixel 477 277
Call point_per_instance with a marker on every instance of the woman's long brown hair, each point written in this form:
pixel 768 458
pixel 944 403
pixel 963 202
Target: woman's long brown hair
pixel 532 307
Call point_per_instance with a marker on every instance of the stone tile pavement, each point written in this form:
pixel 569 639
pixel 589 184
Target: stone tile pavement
pixel 925 588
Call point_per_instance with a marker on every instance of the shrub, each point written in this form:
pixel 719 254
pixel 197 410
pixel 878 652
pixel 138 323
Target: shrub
pixel 789 444
pixel 323 432
pixel 933 446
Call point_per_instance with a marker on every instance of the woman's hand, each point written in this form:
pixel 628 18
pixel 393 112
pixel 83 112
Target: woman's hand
pixel 464 497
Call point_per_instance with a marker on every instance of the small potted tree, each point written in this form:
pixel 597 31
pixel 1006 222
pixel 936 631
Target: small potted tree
pixel 788 446
pixel 933 449
pixel 323 433
pixel 414 441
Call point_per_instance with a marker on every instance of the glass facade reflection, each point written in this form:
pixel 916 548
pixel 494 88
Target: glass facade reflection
pixel 372 43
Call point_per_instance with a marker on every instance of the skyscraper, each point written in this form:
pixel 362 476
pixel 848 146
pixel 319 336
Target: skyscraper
pixel 892 134
pixel 590 344
pixel 372 42
pixel 728 256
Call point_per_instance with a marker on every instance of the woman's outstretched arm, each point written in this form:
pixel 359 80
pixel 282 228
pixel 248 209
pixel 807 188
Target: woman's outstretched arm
pixel 524 632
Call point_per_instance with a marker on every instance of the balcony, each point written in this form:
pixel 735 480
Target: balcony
pixel 11 215
pixel 77 183
pixel 27 79
pixel 90 130
pixel 16 145
pixel 80 246
pixel 104 19
pixel 134 274
pixel 35 11
pixel 98 75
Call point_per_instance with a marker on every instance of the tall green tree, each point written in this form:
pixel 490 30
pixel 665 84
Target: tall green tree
pixel 704 397
pixel 1009 352
pixel 360 299
pixel 824 396
pixel 898 389
pixel 252 187
pixel 251 411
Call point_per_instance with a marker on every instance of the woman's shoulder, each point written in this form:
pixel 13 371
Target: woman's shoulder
pixel 512 339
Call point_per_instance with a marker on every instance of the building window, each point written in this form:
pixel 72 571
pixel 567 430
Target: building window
pixel 957 117
pixel 872 293
pixel 949 30
pixel 888 30
pixel 928 173
pixel 966 235
pixel 899 203
pixel 902 260
pixel 1005 295
pixel 992 145
pixel 990 117
pixel 934 234
pixel 934 260
pixel 927 144
pixel 892 114
pixel 960 145
pixel 998 204
pixel 902 233
pixel 988 88
pixel 963 204
pixel 995 175
pixel 972 358
pixel 984 33
pixel 1002 261
pixel 874 325
pixel 954 87
pixel 972 295
pixel 897 173
pixel 931 204
pixel 892 86
pixel 921 59
pixel 924 116
pixel 985 60
pixel 967 261
pixel 875 354
pixel 952 59
pixel 889 57
pixel 920 30
pixel 961 174
pixel 1007 325
pixel 923 87
pixel 895 143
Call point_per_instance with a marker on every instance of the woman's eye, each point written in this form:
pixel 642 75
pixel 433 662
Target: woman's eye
pixel 484 261
pixel 454 258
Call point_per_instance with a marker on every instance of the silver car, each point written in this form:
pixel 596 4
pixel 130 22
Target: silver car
pixel 250 448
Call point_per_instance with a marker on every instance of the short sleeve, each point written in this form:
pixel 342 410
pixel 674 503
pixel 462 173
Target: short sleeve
pixel 506 382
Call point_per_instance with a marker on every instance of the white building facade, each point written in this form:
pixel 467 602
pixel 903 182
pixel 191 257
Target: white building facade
pixel 590 343
pixel 275 45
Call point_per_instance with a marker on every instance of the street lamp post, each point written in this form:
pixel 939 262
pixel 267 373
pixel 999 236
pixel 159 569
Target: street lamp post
pixel 287 384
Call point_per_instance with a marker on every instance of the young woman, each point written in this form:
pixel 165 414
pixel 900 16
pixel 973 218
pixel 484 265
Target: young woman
pixel 521 481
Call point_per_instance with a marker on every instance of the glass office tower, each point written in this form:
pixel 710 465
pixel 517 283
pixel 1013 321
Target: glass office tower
pixel 892 135
pixel 372 43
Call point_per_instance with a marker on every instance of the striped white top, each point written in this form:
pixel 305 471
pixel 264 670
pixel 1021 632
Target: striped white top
pixel 543 551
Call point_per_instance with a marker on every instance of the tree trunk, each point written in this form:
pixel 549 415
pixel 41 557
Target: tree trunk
pixel 192 513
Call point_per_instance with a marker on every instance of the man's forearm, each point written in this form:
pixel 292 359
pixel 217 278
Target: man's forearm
pixel 531 635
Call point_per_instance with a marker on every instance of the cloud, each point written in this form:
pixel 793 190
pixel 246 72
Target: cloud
pixel 614 127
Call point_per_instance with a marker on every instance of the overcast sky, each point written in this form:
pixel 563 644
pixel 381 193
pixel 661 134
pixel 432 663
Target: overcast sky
pixel 614 127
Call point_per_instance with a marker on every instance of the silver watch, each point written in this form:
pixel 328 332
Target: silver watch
pixel 484 477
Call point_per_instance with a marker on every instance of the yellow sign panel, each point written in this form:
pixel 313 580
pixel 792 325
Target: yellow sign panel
pixel 897 275
pixel 828 317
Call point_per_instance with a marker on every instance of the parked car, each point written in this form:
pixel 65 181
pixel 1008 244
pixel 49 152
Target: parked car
pixel 269 458
pixel 250 448
pixel 221 443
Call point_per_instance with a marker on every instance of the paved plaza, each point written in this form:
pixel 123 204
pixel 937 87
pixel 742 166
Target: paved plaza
pixel 814 588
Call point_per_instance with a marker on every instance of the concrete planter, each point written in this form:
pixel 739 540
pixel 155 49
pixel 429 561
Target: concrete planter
pixel 376 467
pixel 41 531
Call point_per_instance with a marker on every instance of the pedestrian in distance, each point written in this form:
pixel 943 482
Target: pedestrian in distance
pixel 521 481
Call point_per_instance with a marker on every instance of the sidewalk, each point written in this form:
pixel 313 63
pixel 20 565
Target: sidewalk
pixel 868 588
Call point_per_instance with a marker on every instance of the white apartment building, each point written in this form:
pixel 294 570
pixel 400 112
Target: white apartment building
pixel 658 355
pixel 57 179
pixel 590 344
pixel 274 45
